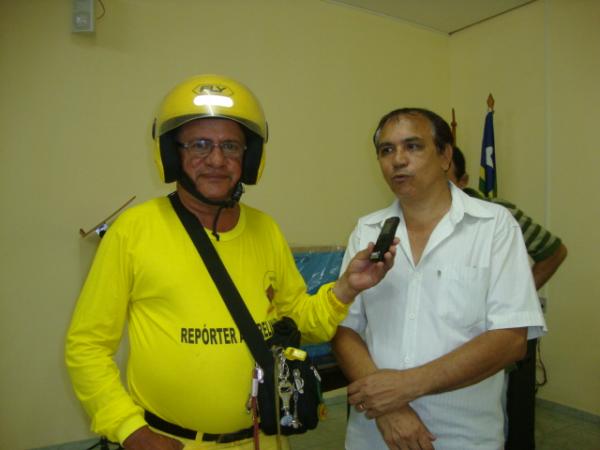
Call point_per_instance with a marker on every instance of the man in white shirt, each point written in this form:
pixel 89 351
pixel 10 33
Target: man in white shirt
pixel 426 348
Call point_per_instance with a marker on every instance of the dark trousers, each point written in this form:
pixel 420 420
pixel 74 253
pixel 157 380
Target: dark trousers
pixel 520 402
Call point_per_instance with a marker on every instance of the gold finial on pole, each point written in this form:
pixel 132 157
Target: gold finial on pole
pixel 490 102
pixel 453 124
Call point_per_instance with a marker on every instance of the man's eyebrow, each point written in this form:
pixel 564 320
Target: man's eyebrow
pixel 382 143
pixel 408 140
pixel 412 139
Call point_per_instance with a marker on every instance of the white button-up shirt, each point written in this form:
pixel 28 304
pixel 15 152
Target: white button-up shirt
pixel 473 276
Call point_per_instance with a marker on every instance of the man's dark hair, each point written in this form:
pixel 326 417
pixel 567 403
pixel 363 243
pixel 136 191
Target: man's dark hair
pixel 458 161
pixel 442 134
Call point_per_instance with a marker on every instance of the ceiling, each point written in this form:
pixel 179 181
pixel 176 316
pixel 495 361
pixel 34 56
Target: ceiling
pixel 441 15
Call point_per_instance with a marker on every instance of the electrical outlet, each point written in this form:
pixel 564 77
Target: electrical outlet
pixel 83 19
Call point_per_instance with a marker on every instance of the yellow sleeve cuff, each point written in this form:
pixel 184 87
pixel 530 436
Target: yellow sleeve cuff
pixel 130 425
pixel 334 301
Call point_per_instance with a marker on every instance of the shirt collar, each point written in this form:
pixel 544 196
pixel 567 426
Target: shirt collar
pixel 379 217
pixel 464 204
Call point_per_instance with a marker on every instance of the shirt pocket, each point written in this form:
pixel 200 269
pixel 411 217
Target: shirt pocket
pixel 462 295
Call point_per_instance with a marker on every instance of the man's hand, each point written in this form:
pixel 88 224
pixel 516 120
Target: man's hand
pixel 384 391
pixel 146 439
pixel 362 273
pixel 403 429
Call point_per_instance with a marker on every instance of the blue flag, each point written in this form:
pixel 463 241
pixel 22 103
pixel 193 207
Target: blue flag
pixel 487 173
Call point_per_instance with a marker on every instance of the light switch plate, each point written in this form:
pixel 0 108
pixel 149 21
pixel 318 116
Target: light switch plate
pixel 82 20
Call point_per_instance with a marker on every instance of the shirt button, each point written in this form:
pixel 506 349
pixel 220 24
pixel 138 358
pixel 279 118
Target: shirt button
pixel 407 359
pixel 411 316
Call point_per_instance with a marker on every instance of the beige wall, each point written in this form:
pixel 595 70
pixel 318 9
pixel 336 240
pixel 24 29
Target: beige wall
pixel 573 99
pixel 75 122
pixel 540 62
pixel 505 57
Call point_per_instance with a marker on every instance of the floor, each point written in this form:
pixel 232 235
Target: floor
pixel 557 428
pixel 561 428
pixel 329 434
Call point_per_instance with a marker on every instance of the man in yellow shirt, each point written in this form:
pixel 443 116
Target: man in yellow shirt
pixel 188 366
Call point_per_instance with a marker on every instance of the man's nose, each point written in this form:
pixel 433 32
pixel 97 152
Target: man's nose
pixel 216 156
pixel 399 158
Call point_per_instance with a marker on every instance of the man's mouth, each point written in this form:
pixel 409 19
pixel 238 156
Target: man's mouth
pixel 213 176
pixel 400 177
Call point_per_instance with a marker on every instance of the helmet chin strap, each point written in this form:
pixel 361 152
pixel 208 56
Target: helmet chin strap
pixel 236 194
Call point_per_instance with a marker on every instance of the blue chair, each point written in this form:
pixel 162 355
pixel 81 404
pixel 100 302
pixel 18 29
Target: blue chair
pixel 320 265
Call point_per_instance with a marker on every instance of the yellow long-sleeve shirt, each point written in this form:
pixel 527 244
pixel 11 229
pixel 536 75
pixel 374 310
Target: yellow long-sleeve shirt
pixel 186 362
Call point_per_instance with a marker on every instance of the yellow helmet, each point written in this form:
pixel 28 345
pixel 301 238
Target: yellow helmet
pixel 209 96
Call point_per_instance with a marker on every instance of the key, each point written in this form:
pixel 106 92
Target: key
pixel 295 421
pixel 285 392
pixel 287 420
pixel 317 376
pixel 284 370
pixel 298 381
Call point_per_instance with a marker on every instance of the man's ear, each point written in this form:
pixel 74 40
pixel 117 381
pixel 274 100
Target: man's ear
pixel 447 155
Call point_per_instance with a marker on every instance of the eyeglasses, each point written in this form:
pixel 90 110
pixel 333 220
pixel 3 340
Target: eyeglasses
pixel 201 148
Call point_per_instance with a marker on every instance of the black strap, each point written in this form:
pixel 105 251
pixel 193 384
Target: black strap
pixel 231 296
pixel 160 424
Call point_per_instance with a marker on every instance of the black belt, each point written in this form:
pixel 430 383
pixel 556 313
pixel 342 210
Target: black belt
pixel 168 427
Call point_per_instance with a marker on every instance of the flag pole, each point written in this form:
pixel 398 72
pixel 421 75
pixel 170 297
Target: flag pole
pixel 487 173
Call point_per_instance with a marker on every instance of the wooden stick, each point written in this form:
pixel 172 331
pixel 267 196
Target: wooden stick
pixel 91 230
